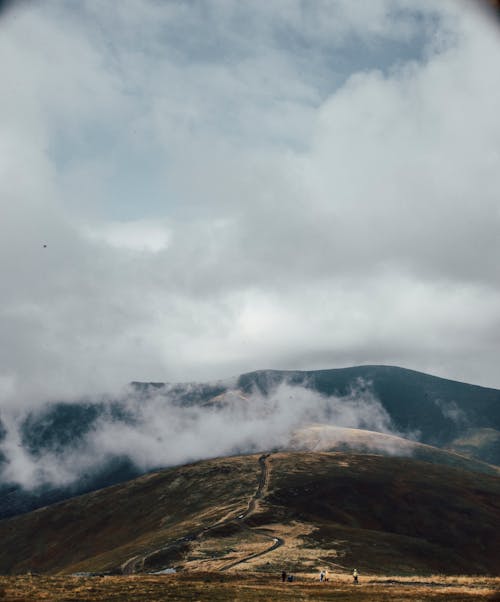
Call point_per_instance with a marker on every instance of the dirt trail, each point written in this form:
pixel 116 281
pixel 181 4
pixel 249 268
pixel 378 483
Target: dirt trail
pixel 277 542
pixel 252 506
pixel 136 563
pixel 130 566
pixel 261 487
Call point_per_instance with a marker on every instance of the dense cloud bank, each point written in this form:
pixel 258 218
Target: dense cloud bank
pixel 63 443
pixel 193 190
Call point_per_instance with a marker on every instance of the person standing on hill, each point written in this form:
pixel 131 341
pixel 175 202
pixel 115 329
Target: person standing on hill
pixel 355 576
pixel 283 576
pixel 322 576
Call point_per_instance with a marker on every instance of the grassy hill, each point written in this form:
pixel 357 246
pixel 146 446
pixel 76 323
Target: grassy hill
pixel 298 511
pixel 443 413
pixel 321 437
pixel 478 443
pixel 101 530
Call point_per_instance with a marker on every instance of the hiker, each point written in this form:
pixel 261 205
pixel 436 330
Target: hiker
pixel 283 576
pixel 322 576
pixel 355 576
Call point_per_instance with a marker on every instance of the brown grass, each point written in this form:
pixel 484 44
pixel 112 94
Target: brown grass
pixel 101 530
pixel 244 587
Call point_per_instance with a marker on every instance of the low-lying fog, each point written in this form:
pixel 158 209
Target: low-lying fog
pixel 155 430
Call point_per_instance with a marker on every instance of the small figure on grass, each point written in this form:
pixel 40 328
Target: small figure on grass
pixel 322 576
pixel 355 576
pixel 283 576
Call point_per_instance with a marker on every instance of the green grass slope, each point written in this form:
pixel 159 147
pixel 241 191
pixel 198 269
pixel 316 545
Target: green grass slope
pixel 478 443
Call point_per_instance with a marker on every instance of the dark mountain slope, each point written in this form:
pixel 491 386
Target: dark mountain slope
pixel 441 518
pixel 105 528
pixel 339 510
pixel 437 408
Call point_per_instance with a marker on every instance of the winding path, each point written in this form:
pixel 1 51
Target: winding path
pixel 277 542
pixel 136 563
pixel 252 504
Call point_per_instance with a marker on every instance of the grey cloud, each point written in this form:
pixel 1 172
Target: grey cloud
pixel 308 224
pixel 452 411
pixel 157 430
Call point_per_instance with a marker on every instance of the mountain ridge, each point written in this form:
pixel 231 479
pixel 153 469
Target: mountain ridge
pixel 443 413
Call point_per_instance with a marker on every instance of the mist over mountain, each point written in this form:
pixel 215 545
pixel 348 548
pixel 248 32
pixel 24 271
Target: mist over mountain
pixel 62 449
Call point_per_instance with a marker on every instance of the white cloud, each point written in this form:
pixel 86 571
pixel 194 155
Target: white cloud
pixel 138 235
pixel 256 186
pixel 159 432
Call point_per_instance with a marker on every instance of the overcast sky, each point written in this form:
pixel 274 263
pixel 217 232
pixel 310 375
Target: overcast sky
pixel 224 186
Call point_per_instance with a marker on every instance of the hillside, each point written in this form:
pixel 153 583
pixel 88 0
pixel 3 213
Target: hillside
pixel 295 510
pixel 438 409
pixel 321 437
pixel 438 412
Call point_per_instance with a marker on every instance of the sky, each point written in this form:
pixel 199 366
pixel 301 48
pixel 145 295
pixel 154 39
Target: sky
pixel 192 190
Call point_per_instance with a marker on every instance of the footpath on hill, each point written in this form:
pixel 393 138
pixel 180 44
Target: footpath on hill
pixel 136 563
pixel 252 506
